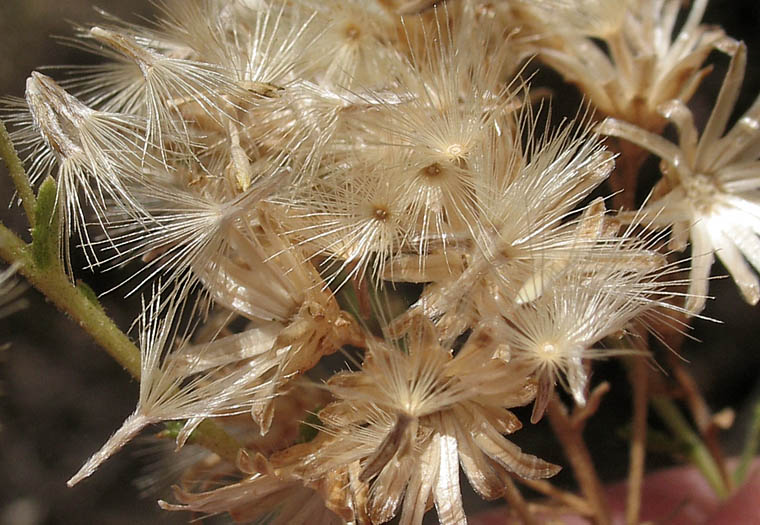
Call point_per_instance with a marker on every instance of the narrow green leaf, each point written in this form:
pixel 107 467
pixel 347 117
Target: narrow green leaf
pixel 89 293
pixel 751 447
pixel 45 241
pixel 697 452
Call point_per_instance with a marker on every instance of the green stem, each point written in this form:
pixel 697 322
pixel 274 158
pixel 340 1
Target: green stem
pixel 17 173
pixel 79 304
pixel 53 283
pixel 750 447
pixel 212 437
pixel 697 451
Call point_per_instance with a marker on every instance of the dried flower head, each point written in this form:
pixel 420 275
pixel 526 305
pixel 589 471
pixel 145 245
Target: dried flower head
pixel 278 168
pixel 583 302
pixel 144 80
pixel 524 204
pixel 412 414
pixel 648 62
pixel 169 393
pixel 90 153
pixel 274 495
pixel 594 18
pixel 707 194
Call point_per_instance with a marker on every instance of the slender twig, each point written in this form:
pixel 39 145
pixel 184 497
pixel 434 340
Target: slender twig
pixel 638 377
pixel 516 501
pixel 703 450
pixel 575 503
pixel 569 432
pixel 698 453
pixel 85 311
pixel 702 415
pixel 694 400
pixel 549 513
pixel 17 173
pixel 581 414
pixel 624 180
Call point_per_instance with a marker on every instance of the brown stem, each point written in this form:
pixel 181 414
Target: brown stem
pixel 624 180
pixel 582 414
pixel 575 503
pixel 696 403
pixel 516 501
pixel 569 432
pixel 551 514
pixel 702 415
pixel 638 376
pixel 673 337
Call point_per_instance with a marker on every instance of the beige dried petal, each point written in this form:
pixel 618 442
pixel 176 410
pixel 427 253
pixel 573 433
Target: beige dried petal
pixel 418 492
pixel 447 493
pixel 388 488
pixel 398 442
pixel 477 467
pixel 510 456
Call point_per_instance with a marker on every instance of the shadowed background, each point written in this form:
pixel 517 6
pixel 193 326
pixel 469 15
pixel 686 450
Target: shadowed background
pixel 63 397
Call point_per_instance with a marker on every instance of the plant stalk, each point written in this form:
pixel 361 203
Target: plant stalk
pixel 79 305
pixel 570 436
pixel 637 454
pixel 18 174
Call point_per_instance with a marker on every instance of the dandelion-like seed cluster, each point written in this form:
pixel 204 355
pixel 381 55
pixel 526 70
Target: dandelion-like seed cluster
pixel 304 178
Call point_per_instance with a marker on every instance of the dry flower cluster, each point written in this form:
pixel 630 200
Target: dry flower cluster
pixel 300 178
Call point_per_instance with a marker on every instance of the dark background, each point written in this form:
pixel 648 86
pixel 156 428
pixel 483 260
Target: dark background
pixel 63 397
